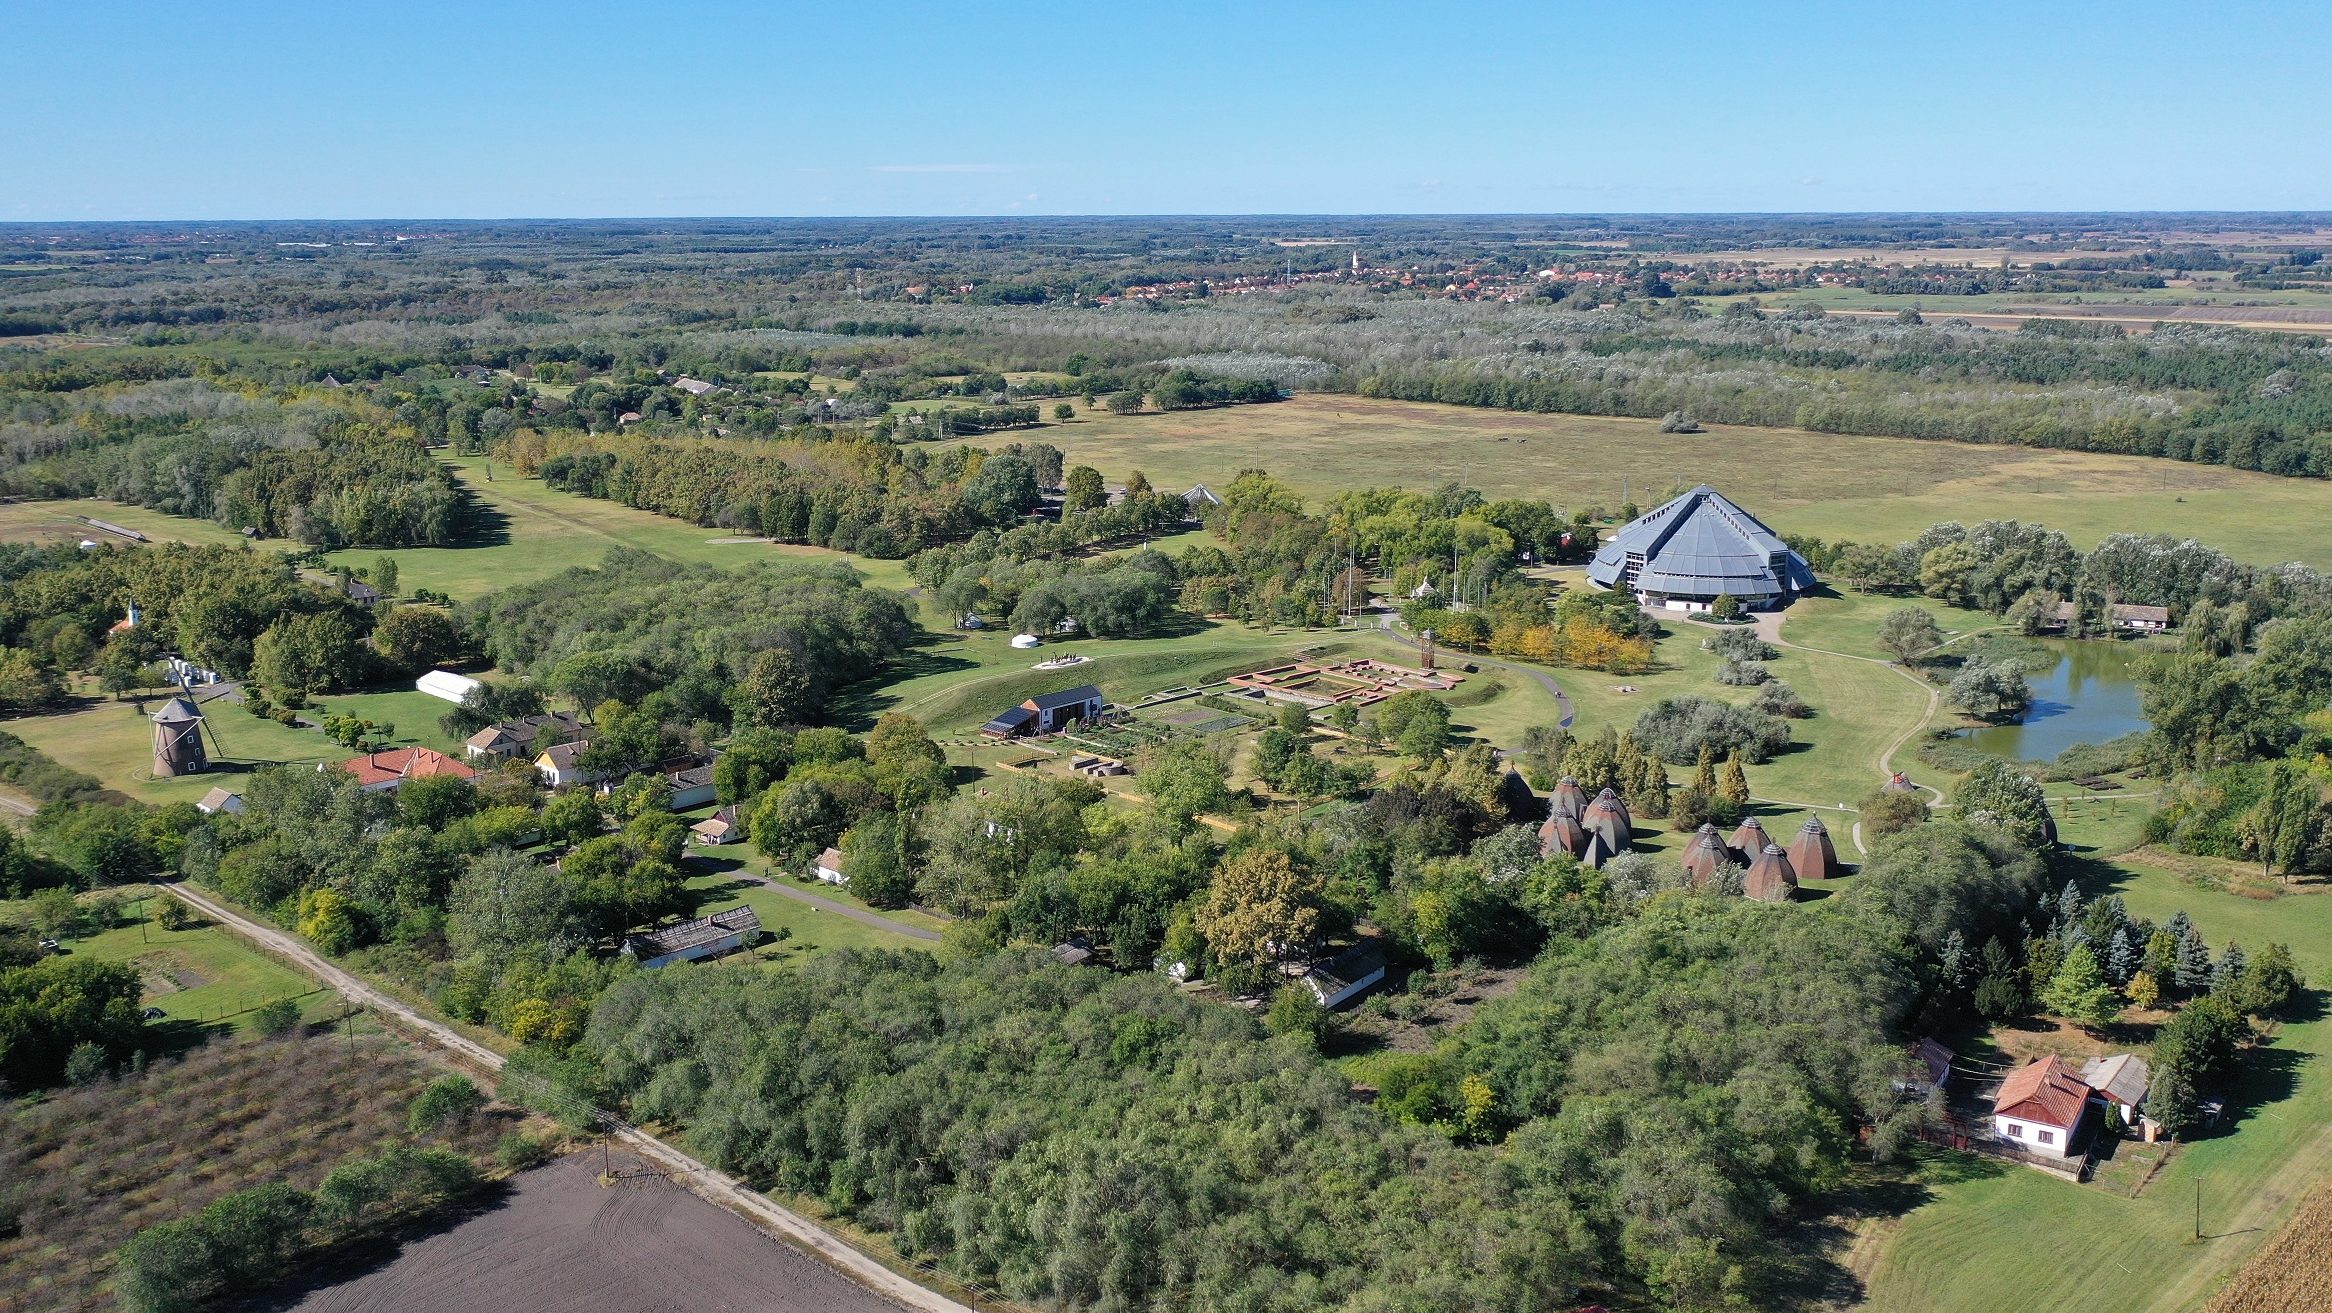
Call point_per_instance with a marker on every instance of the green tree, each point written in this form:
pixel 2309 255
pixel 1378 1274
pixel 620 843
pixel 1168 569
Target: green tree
pixel 87 1064
pixel 1908 633
pixel 755 759
pixel 304 654
pixel 1064 412
pixel 415 638
pixel 775 692
pixel 1262 907
pixel 1184 779
pixel 1295 1010
pixel 1417 723
pixel 277 1017
pixel 449 1103
pixel 1733 787
pixel 1990 690
pixel 1085 490
pixel 572 817
pixel 872 852
pixel 1704 772
pixel 2078 992
pixel 123 664
pixel 384 575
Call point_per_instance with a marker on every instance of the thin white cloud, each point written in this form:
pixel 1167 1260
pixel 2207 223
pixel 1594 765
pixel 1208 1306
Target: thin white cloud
pixel 945 168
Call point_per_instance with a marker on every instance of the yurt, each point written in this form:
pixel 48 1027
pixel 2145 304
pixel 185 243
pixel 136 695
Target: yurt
pixel 1749 839
pixel 1608 816
pixel 1561 833
pixel 1568 797
pixel 1704 855
pixel 1769 879
pixel 1810 854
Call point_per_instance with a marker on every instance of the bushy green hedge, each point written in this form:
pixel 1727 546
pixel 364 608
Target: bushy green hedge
pixel 252 1238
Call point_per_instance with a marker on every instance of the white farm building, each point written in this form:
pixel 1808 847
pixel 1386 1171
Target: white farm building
pixel 448 685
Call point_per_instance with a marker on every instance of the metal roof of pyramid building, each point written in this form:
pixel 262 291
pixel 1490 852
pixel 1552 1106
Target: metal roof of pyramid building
pixel 1702 545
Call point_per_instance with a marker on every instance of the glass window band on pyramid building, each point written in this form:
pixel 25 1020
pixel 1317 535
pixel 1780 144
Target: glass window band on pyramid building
pixel 1684 555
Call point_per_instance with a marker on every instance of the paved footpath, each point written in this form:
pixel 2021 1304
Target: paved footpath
pixel 718 1187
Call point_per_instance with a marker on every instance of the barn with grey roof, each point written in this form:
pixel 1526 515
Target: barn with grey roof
pixel 1685 555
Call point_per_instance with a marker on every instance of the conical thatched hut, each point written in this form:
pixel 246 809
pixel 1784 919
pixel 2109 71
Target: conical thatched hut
pixel 1769 879
pixel 1568 797
pixel 1704 855
pixel 1811 855
pixel 1749 839
pixel 1561 833
pixel 1608 816
pixel 1595 852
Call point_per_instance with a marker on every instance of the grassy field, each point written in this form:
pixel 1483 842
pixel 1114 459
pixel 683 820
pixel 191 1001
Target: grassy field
pixel 532 531
pixel 114 742
pixel 2013 1237
pixel 202 977
pixel 807 929
pixel 1829 485
pixel 59 521
pixel 413 714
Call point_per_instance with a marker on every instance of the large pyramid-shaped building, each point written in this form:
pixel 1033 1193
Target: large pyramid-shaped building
pixel 1697 548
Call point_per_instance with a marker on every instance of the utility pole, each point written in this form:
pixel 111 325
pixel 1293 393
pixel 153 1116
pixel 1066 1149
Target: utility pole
pixel 2198 1208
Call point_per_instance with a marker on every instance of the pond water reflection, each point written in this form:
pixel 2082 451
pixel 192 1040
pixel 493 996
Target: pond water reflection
pixel 2090 697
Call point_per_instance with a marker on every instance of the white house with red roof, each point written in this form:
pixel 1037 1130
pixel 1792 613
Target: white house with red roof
pixel 2041 1106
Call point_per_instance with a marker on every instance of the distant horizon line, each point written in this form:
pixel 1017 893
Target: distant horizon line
pixel 2323 215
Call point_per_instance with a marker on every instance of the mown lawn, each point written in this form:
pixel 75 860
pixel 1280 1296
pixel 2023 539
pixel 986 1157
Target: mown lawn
pixel 1829 485
pixel 411 712
pixel 2019 1238
pixel 807 929
pixel 115 743
pixel 203 976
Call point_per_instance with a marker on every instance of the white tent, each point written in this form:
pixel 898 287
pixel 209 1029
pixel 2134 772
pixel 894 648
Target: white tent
pixel 448 685
pixel 1024 640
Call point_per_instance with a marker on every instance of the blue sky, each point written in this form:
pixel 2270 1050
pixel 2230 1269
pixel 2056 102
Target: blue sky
pixel 260 109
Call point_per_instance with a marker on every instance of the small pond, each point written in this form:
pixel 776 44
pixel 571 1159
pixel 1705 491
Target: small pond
pixel 2091 697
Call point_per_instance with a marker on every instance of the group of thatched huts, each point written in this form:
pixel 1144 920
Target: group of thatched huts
pixel 1592 830
pixel 1595 830
pixel 1769 872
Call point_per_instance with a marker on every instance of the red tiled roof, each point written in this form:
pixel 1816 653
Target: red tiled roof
pixel 404 764
pixel 2046 1091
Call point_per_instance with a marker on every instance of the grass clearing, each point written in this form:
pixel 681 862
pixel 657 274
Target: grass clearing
pixel 115 742
pixel 1797 481
pixel 531 531
pixel 202 977
pixel 413 713
pixel 60 521
pixel 807 929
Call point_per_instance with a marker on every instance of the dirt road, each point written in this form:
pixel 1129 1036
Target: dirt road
pixel 715 1186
